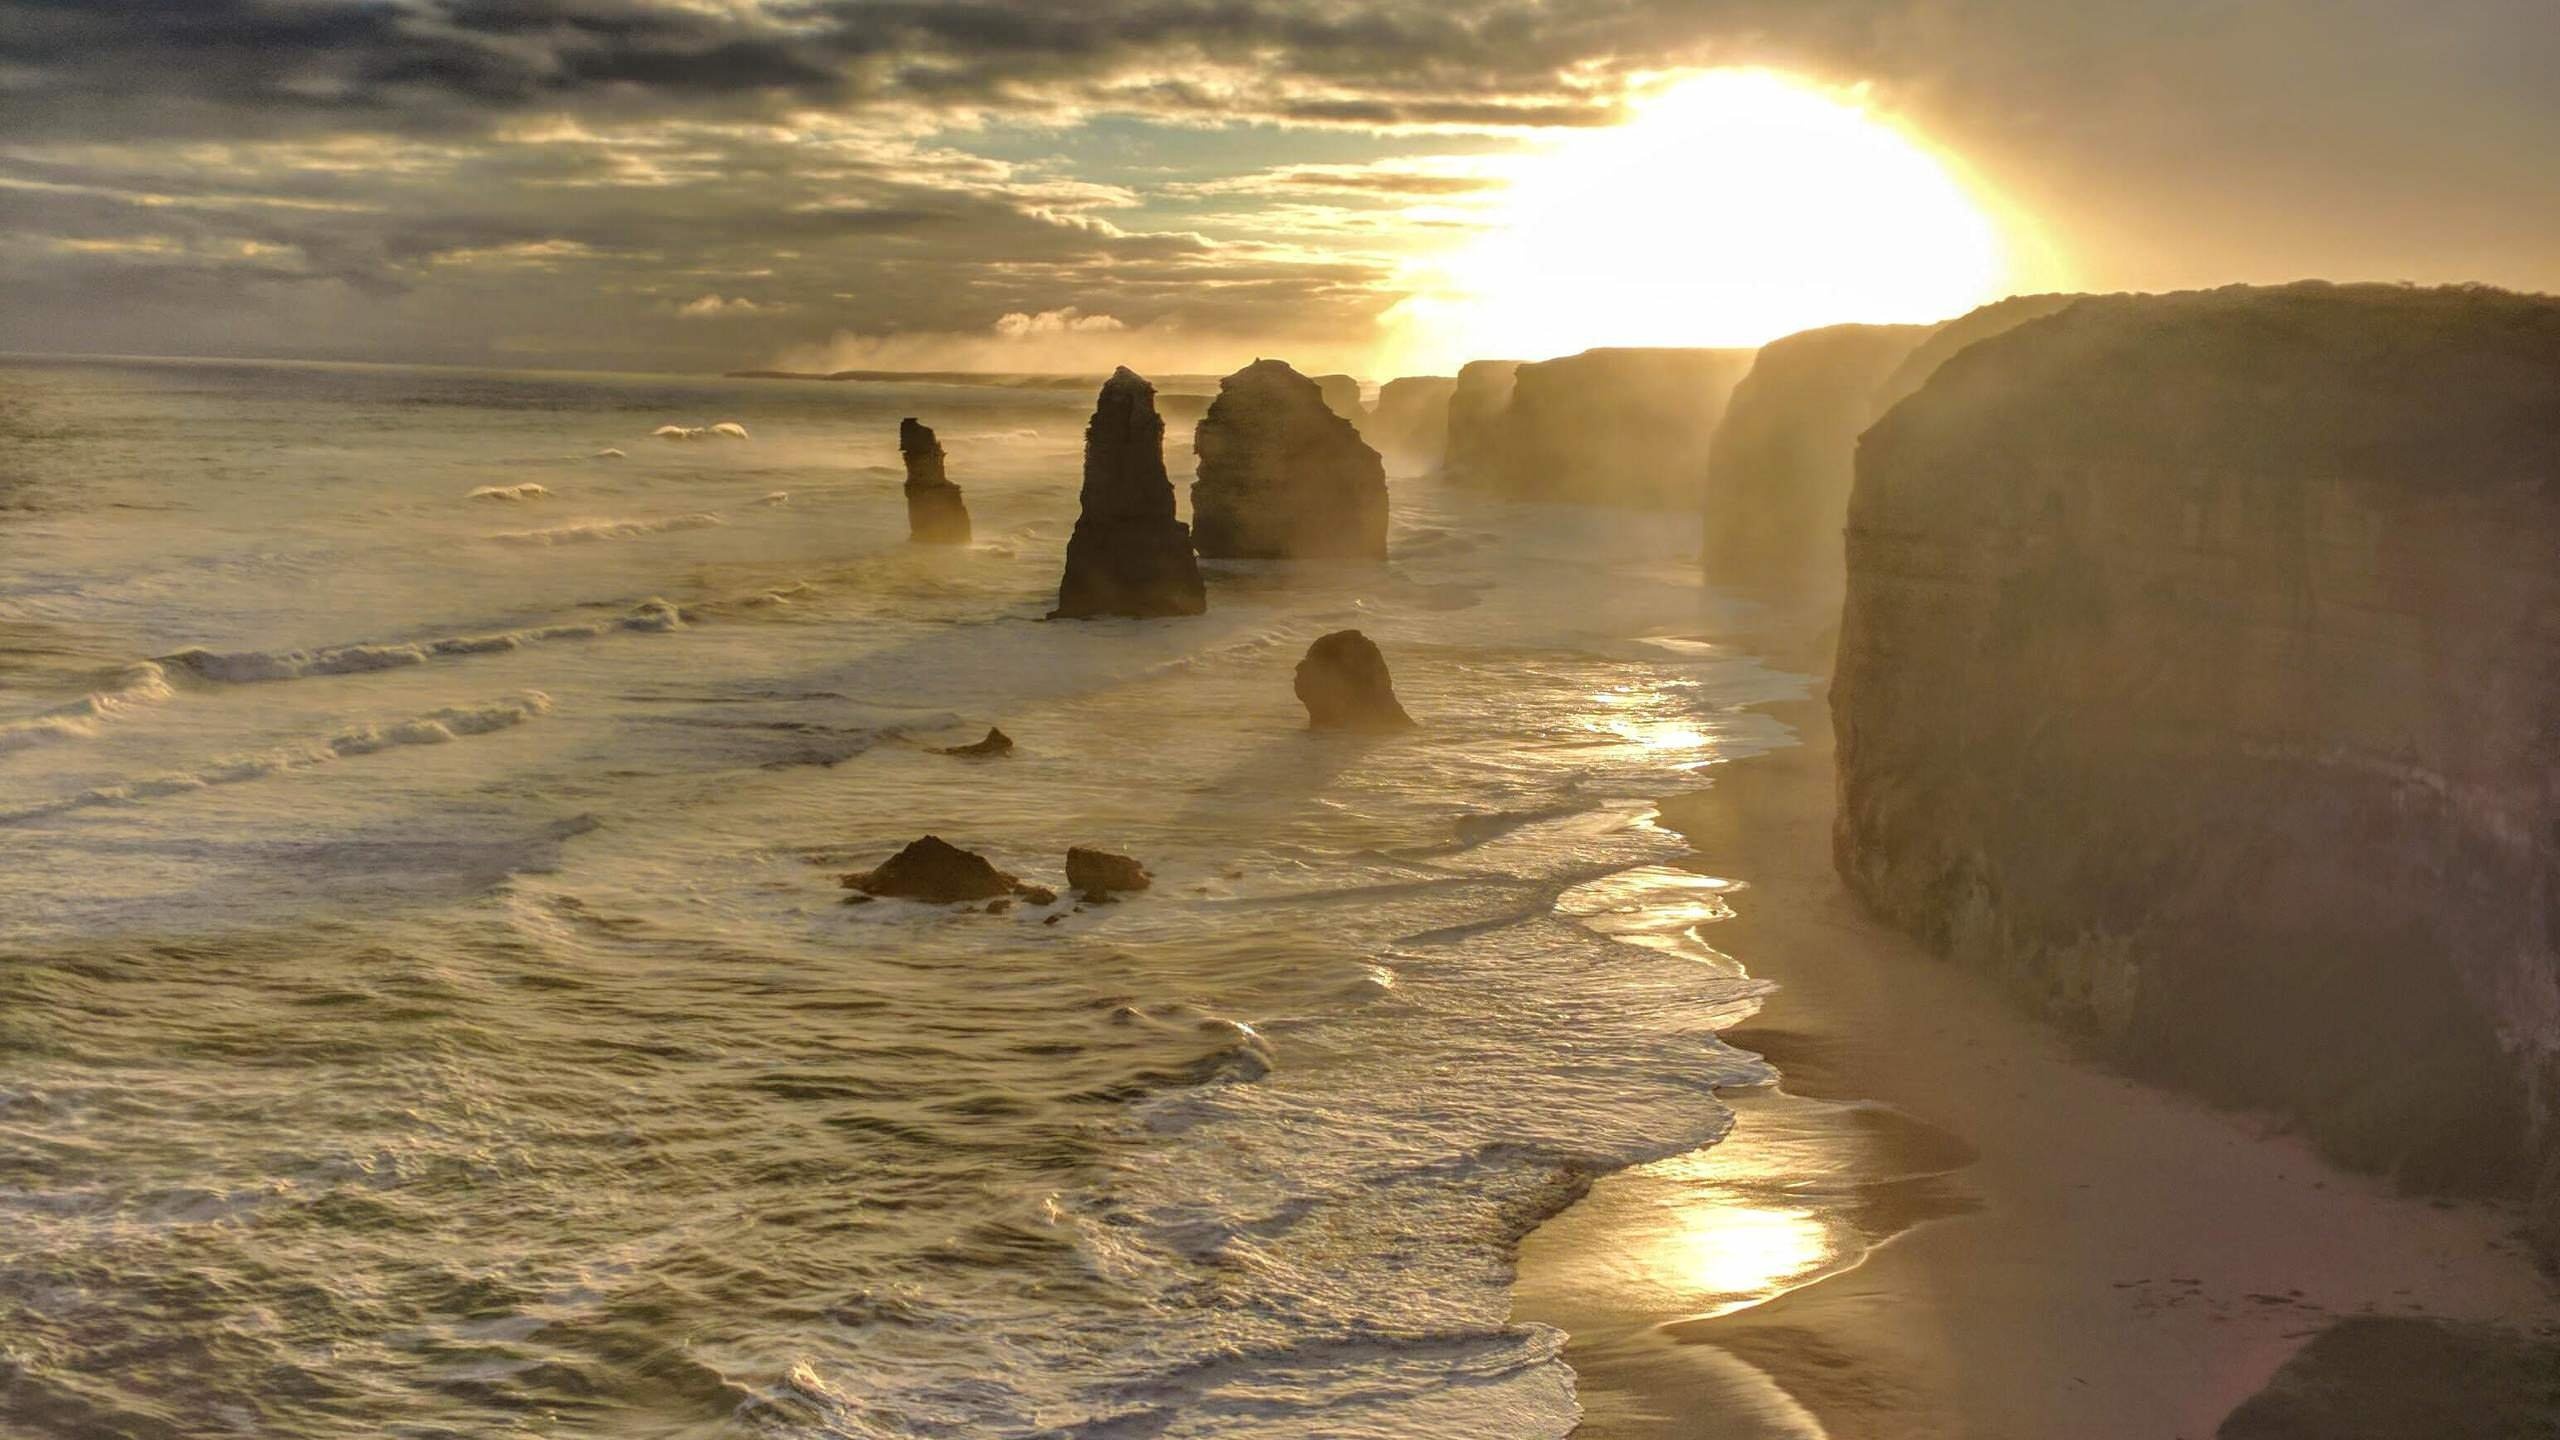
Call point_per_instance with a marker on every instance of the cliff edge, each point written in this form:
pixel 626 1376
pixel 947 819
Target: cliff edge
pixel 2199 677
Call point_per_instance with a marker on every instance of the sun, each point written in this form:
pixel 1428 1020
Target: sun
pixel 1733 208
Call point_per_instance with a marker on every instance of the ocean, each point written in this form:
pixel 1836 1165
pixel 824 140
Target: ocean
pixel 427 1005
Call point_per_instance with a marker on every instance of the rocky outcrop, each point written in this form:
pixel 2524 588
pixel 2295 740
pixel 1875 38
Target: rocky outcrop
pixel 1100 874
pixel 936 515
pixel 934 870
pixel 1282 477
pixel 1611 427
pixel 1128 555
pixel 1344 684
pixel 1410 426
pixel 2200 677
pixel 1342 397
pixel 1472 448
pixel 996 743
pixel 1779 467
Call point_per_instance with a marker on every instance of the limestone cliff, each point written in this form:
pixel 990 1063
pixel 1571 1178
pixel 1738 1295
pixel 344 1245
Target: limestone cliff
pixel 1410 426
pixel 1342 396
pixel 1612 427
pixel 1128 555
pixel 1996 318
pixel 1472 448
pixel 1779 467
pixel 1282 476
pixel 936 512
pixel 2200 677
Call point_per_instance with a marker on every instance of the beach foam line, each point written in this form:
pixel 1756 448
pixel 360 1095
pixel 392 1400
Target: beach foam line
pixel 242 667
pixel 592 531
pixel 436 727
pixel 144 682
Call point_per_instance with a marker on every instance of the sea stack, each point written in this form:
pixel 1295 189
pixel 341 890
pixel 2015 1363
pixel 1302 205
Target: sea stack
pixel 1344 684
pixel 2199 679
pixel 1471 447
pixel 1129 555
pixel 1341 396
pixel 1283 477
pixel 1410 427
pixel 936 515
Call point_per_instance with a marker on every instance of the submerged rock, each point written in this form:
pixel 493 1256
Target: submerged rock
pixel 2197 677
pixel 1128 555
pixel 1099 873
pixel 1282 476
pixel 935 870
pixel 936 513
pixel 996 743
pixel 1344 684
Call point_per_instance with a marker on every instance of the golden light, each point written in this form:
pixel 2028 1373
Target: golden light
pixel 1735 207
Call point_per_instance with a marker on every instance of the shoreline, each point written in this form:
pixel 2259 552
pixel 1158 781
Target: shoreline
pixel 1958 1227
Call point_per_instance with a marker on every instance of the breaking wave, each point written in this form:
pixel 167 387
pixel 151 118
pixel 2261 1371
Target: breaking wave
pixel 240 667
pixel 526 491
pixel 436 727
pixel 591 531
pixel 142 683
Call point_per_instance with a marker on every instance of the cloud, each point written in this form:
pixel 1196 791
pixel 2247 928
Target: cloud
pixel 390 178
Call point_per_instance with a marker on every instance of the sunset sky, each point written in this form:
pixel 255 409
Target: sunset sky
pixel 1182 184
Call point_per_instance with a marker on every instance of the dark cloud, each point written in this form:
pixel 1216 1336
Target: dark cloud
pixel 406 176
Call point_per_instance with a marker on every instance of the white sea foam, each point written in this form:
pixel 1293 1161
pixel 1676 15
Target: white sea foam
pixel 607 453
pixel 142 683
pixel 591 531
pixel 239 667
pixel 436 727
pixel 724 430
pixel 526 491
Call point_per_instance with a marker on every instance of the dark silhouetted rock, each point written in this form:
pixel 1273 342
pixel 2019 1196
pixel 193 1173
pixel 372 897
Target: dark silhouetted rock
pixel 2199 677
pixel 1472 449
pixel 1282 476
pixel 1100 874
pixel 1128 555
pixel 936 870
pixel 2399 1377
pixel 996 743
pixel 936 515
pixel 1779 467
pixel 1342 396
pixel 1611 427
pixel 1344 684
pixel 1410 426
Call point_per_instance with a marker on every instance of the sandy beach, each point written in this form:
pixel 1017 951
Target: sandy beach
pixel 1943 1223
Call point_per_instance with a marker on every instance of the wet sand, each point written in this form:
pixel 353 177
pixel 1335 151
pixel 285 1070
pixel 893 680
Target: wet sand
pixel 1944 1224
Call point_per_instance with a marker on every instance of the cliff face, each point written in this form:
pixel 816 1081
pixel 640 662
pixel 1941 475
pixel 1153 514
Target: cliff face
pixel 1477 403
pixel 936 512
pixel 2200 676
pixel 1779 467
pixel 1997 318
pixel 1410 427
pixel 1612 427
pixel 1128 555
pixel 1342 396
pixel 1282 476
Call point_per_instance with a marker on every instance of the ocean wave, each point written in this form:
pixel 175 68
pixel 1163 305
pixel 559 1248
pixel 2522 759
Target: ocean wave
pixel 725 430
pixel 242 667
pixel 526 491
pixel 142 683
pixel 436 727
pixel 590 531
